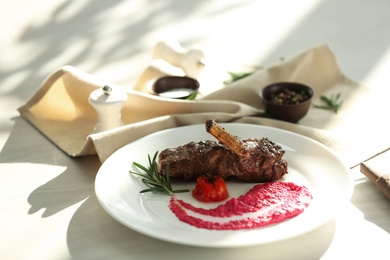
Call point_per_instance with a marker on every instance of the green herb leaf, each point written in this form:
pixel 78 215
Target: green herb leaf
pixel 331 102
pixel 236 76
pixel 192 96
pixel 155 181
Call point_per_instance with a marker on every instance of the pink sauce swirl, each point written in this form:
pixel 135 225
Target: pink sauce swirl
pixel 265 204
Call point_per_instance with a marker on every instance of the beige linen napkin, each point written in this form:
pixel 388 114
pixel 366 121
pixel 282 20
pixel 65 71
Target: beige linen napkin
pixel 60 108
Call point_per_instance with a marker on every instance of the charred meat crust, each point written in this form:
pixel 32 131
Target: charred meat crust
pixel 195 159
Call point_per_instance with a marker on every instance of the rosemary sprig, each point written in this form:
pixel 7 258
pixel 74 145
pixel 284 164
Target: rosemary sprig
pixel 234 76
pixel 154 180
pixel 332 103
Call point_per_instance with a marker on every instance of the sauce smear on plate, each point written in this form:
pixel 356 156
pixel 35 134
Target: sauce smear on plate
pixel 264 204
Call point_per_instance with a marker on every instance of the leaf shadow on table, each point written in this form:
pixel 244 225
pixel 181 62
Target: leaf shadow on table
pixel 93 234
pixel 365 193
pixel 65 190
pixel 65 180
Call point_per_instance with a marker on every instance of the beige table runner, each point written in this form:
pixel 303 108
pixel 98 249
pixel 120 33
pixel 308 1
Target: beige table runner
pixel 60 109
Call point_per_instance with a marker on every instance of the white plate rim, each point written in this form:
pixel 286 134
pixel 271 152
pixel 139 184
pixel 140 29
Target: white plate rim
pixel 119 211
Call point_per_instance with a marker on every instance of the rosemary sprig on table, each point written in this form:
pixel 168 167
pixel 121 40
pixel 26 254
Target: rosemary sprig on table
pixel 154 180
pixel 332 103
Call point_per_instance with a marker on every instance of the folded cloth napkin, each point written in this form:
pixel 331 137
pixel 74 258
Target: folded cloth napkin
pixel 378 171
pixel 60 109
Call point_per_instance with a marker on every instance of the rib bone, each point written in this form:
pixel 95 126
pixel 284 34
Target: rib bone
pixel 235 144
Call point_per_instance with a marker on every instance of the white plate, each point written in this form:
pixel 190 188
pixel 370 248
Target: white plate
pixel 309 163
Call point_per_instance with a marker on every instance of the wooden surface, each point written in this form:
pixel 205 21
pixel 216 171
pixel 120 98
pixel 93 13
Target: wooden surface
pixel 377 170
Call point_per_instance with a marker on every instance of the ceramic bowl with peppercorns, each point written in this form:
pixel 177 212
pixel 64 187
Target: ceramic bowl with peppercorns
pixel 288 101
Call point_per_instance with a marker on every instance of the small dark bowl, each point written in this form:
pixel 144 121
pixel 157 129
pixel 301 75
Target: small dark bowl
pixel 291 113
pixel 174 87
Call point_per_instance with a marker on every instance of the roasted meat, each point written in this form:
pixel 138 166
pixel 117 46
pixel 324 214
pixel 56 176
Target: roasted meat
pixel 252 160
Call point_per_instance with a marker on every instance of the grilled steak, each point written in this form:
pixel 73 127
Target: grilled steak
pixel 252 160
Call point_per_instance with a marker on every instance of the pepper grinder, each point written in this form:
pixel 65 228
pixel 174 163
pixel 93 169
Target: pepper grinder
pixel 108 103
pixel 191 61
